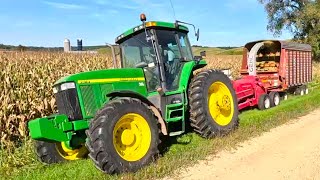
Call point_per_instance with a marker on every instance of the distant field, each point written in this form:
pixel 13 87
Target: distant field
pixel 218 51
pixel 196 50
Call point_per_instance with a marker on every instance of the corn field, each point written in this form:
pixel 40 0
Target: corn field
pixel 25 88
pixel 26 80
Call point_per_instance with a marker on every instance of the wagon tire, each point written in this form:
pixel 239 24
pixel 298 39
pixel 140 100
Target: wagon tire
pixel 264 102
pixel 275 98
pixel 305 89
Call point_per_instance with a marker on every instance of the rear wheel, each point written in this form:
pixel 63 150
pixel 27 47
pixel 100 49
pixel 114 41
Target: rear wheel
pixel 305 89
pixel 275 98
pixel 213 104
pixel 50 153
pixel 264 102
pixel 123 137
pixel 300 91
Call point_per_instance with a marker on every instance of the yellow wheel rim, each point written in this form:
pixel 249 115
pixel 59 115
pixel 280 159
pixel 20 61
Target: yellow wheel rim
pixel 71 154
pixel 220 103
pixel 132 137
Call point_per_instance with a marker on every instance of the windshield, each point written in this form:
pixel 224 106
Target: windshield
pixel 185 45
pixel 173 47
pixel 169 47
pixel 136 50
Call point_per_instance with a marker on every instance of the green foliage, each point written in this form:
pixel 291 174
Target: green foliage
pixel 283 14
pixel 309 27
pixel 301 17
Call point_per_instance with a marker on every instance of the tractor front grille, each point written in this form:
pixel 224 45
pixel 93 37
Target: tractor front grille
pixel 68 104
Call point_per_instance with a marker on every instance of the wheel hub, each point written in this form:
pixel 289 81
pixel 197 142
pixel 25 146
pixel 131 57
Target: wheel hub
pixel 220 103
pixel 225 103
pixel 267 103
pixel 127 137
pixel 132 137
pixel 71 154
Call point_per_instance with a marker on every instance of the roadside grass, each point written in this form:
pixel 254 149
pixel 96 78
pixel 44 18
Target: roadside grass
pixel 182 151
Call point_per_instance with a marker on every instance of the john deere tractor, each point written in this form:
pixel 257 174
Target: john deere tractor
pixel 118 116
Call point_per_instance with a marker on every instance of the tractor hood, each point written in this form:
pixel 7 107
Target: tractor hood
pixel 107 75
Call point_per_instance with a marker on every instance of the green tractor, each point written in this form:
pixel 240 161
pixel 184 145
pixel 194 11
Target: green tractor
pixel 117 117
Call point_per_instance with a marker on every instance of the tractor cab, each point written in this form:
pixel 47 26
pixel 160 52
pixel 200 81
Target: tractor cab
pixel 160 49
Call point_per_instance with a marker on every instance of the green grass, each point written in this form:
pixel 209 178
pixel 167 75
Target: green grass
pixel 182 151
pixel 234 51
pixel 104 50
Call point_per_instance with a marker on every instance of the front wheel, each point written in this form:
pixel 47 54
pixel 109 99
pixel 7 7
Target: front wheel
pixel 123 137
pixel 213 104
pixel 50 153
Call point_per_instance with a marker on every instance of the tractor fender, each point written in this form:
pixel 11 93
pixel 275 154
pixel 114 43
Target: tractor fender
pixel 151 106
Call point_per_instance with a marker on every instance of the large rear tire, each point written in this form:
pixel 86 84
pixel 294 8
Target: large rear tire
pixel 50 153
pixel 123 137
pixel 213 104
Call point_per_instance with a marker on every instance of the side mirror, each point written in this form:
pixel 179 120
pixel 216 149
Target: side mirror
pixel 198 34
pixel 114 59
pixel 141 65
pixel 203 53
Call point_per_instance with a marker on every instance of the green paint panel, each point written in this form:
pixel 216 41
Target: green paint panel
pixel 103 75
pixel 89 101
pixel 49 129
pixel 66 126
pixel 80 125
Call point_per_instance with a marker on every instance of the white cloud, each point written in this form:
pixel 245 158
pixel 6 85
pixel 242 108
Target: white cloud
pixel 64 5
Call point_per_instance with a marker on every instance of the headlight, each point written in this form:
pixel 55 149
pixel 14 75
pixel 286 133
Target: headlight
pixel 55 90
pixel 66 86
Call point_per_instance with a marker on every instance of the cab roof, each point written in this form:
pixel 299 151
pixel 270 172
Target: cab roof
pixel 149 25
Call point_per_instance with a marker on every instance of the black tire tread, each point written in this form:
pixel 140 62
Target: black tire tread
pixel 199 120
pixel 96 145
pixel 47 152
pixel 272 96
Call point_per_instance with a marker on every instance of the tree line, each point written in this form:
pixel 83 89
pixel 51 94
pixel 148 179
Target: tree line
pixel 300 17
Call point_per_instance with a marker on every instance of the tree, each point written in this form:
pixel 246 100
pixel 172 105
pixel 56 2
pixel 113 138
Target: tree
pixel 21 48
pixel 309 27
pixel 300 17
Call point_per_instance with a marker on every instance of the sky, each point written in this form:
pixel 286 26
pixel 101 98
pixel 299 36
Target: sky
pixel 48 22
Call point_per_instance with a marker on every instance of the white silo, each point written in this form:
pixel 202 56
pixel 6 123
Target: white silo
pixel 67 46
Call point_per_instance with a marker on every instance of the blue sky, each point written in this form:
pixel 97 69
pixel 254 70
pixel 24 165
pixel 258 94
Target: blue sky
pixel 48 22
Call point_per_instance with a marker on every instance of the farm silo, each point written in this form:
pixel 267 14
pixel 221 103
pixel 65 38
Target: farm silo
pixel 67 46
pixel 79 42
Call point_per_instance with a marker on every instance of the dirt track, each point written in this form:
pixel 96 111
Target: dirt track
pixel 290 151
